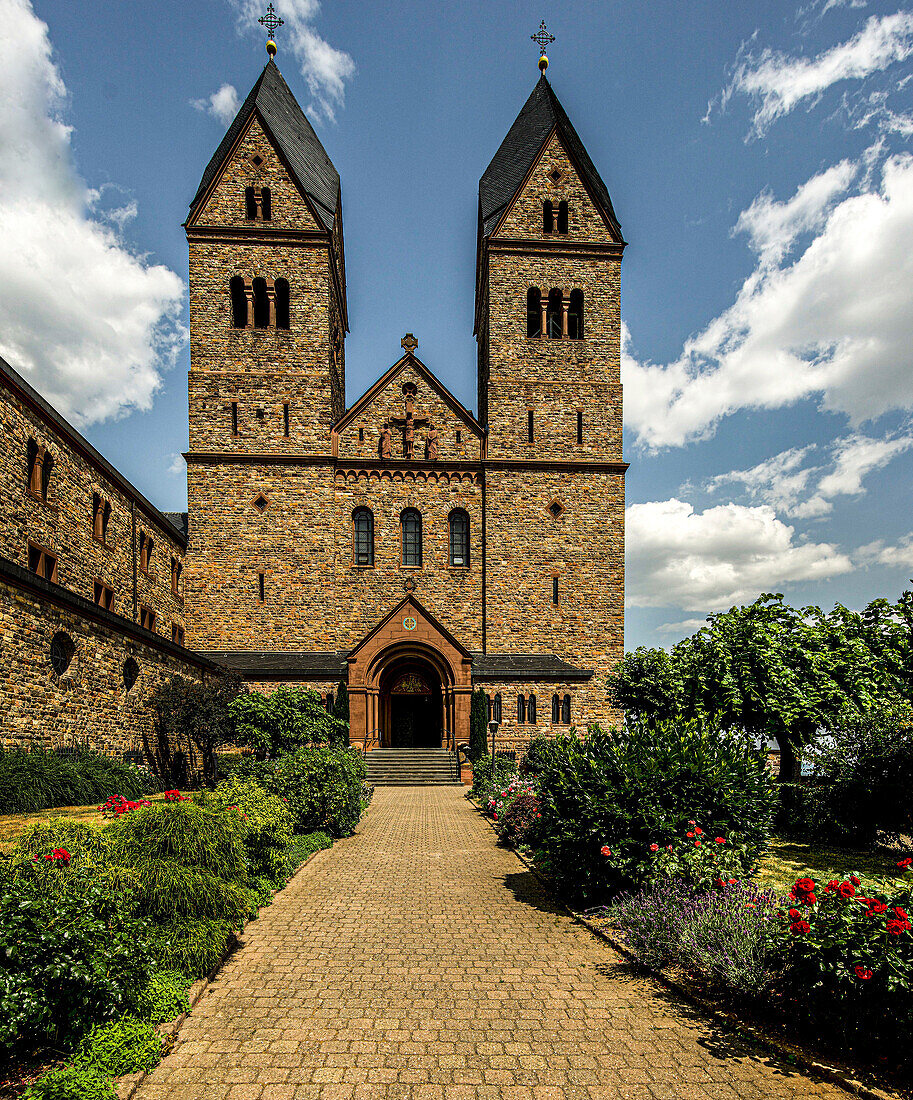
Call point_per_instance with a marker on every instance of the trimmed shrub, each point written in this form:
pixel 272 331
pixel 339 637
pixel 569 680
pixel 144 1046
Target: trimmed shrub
pixel 165 997
pixel 625 790
pixel 488 780
pixel 128 1045
pixel 478 726
pixel 539 755
pixel 193 946
pixel 284 721
pixel 71 953
pixel 86 843
pixel 268 824
pixel 323 786
pixel 72 1083
pixel 37 780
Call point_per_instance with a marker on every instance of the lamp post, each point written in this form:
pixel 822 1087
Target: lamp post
pixel 493 729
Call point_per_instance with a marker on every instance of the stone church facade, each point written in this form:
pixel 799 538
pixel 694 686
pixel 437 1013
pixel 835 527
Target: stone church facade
pixel 404 545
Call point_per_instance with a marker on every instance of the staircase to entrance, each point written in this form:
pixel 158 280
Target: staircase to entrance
pixel 412 768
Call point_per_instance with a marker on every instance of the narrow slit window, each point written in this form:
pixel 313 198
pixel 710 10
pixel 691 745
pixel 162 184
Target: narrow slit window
pixel 579 427
pixel 238 302
pixel 459 438
pixel 261 304
pixel 553 312
pixel 556 709
pixel 496 708
pixel 285 419
pixel 145 553
pixel 534 311
pixel 566 710
pixel 521 710
pixel 459 539
pixel 234 418
pixel 261 586
pixel 361 435
pixel 250 203
pixel 530 426
pixel 283 304
pixel 555 591
pixel 177 568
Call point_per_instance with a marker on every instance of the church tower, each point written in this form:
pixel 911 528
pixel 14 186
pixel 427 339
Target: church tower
pixel 267 370
pixel 548 325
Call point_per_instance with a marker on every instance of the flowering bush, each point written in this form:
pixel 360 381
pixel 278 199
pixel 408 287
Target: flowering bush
pixel 698 858
pixel 488 780
pixel 116 806
pixel 519 825
pixel 502 796
pixel 268 824
pixel 175 796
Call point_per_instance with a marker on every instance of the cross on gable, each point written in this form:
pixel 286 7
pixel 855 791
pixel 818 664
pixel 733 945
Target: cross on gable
pixel 409 342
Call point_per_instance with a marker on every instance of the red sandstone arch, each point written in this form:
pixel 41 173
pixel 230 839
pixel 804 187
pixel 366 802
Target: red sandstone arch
pixel 408 634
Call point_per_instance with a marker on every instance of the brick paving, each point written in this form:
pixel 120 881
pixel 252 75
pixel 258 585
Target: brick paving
pixel 417 959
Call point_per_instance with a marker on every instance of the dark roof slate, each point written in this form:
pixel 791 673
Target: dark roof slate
pixel 272 664
pixel 502 178
pixel 180 521
pixel 525 666
pixel 293 134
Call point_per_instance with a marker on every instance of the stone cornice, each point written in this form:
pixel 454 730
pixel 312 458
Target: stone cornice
pixel 227 458
pixel 562 247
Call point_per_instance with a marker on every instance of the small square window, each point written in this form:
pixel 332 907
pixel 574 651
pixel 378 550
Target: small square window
pixel 261 503
pixel 556 175
pixel 556 508
pixel 256 160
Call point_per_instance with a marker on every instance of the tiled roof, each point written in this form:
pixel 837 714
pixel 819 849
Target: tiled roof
pixel 272 664
pixel 502 178
pixel 180 521
pixel 525 666
pixel 293 134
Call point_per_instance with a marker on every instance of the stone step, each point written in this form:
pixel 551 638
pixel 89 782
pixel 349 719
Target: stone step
pixel 412 768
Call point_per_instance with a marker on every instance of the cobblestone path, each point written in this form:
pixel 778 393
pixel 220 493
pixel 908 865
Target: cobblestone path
pixel 418 959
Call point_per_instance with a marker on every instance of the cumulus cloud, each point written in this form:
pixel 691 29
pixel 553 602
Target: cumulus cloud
pixel 222 105
pixel 86 319
pixel 877 553
pixel 325 68
pixel 708 561
pixel 176 464
pixel 779 83
pixel 807 491
pixel 833 322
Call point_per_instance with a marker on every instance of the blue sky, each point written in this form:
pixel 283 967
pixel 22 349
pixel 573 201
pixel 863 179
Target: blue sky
pixel 758 157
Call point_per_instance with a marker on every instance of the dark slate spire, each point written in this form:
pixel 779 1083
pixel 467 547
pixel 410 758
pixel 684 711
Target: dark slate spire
pixel 294 137
pixel 503 177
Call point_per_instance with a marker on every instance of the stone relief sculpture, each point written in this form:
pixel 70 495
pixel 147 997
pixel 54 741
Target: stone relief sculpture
pixel 386 437
pixel 432 439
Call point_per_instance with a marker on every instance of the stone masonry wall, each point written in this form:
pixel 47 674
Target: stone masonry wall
pixel 64 523
pixel 90 702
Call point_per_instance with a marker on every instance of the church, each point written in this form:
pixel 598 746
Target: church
pixel 403 545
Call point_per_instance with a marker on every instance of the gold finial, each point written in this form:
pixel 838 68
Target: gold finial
pixel 543 38
pixel 271 21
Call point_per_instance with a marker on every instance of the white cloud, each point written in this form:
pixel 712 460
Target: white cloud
pixel 876 553
pixel 325 68
pixel 88 321
pixel 708 561
pixel 805 492
pixel 834 322
pixel 176 465
pixel 780 83
pixel 682 629
pixel 222 105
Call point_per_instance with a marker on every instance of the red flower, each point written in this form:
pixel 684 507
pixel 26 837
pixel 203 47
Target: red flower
pixel 689 834
pixel 854 880
pixel 698 832
pixel 721 840
pixel 810 899
pixel 832 886
pixel 654 847
pixel 800 927
pixel 863 973
pixel 895 927
pixel 900 913
pixel 733 881
pixel 605 850
pixel 668 847
pixel 690 822
pixel 697 844
pixel 876 907
pixel 719 884
pixel 846 889
pixel 794 914
pixel 804 885
pixel 905 862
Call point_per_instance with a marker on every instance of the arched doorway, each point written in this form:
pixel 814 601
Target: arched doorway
pixel 411 705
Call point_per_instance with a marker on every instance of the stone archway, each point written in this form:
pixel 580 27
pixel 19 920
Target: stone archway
pixel 408 640
pixel 411 704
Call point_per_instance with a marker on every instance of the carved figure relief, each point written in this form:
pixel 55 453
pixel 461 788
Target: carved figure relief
pixel 386 438
pixel 432 442
pixel 408 423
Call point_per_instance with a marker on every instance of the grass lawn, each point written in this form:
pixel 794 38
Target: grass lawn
pixel 11 825
pixel 787 860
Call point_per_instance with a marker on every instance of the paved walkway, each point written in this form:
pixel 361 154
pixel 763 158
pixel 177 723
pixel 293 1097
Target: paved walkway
pixel 418 959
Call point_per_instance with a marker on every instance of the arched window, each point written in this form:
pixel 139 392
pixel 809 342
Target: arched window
pixel 556 709
pixel 531 710
pixel 496 708
pixel 63 650
pixel 575 316
pixel 534 311
pixel 562 218
pixel 34 459
pixel 459 539
pixel 238 302
pixel 46 467
pixel 131 673
pixel 363 536
pixel 282 303
pixel 250 203
pixel 488 705
pixel 266 204
pixel 548 217
pixel 261 304
pixel 521 710
pixel 553 314
pixel 411 522
pixel 566 710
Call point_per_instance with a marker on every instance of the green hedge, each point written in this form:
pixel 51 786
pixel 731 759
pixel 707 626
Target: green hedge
pixel 37 780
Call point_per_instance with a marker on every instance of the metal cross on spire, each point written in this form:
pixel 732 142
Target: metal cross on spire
pixel 543 37
pixel 271 21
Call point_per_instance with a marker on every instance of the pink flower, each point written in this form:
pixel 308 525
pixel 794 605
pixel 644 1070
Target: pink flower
pixel 654 847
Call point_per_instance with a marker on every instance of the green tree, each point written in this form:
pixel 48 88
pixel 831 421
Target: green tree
pixel 478 725
pixel 191 719
pixel 285 720
pixel 341 706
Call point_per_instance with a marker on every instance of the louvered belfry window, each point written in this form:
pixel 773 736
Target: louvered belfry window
pixel 412 538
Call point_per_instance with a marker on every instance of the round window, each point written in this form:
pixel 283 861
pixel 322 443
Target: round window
pixel 63 649
pixel 131 673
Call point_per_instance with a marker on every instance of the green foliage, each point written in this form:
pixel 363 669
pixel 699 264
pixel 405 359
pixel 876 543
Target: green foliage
pixel 72 1082
pixel 698 860
pixel 306 845
pixel 192 945
pixel 478 725
pixel 268 824
pixel 285 720
pixel 71 952
pixel 863 789
pixel 649 683
pixel 37 780
pixel 323 786
pixel 486 780
pixel 538 757
pixel 128 1045
pixel 341 705
pixel 191 722
pixel 165 997
pixel 86 843
pixel 624 790
pixel 519 825
pixel 189 861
